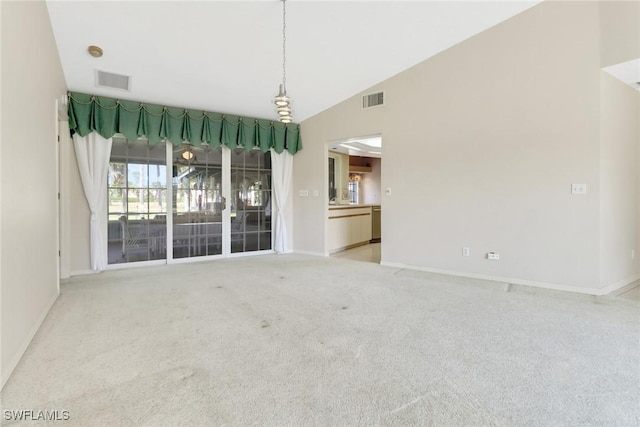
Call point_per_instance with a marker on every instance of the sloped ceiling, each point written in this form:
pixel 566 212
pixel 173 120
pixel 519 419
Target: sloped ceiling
pixel 226 56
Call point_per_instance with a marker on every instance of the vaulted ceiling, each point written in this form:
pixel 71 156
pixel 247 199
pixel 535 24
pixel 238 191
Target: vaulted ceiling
pixel 226 56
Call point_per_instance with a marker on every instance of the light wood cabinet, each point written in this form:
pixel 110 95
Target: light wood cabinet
pixel 349 226
pixel 339 233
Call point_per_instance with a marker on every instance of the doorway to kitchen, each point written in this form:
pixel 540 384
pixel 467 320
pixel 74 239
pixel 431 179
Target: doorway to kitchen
pixel 353 219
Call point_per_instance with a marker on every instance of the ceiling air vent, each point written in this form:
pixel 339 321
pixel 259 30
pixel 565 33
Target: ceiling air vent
pixel 372 100
pixel 112 81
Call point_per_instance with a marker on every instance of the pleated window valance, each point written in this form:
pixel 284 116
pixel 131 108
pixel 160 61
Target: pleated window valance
pixel 108 116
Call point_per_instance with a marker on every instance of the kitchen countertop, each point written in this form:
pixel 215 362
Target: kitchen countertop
pixel 352 206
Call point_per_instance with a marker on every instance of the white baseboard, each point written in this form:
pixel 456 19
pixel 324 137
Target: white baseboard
pixel 82 273
pixel 310 253
pixel 622 286
pixel 509 280
pixel 12 366
pixel 344 248
pixel 287 251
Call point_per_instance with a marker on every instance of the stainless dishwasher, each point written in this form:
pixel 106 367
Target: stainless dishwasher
pixel 376 212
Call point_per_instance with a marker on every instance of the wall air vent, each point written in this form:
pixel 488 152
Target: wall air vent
pixel 372 100
pixel 112 81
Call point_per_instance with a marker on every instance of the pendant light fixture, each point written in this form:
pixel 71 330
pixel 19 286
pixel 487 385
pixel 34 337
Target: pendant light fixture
pixel 187 156
pixel 282 100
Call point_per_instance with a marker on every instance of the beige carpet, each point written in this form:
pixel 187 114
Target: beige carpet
pixel 295 340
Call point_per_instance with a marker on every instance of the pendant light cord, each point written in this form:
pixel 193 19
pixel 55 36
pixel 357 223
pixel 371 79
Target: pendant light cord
pixel 282 100
pixel 284 43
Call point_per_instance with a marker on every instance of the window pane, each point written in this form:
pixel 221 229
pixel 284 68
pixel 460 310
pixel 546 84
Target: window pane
pixel 117 173
pixel 138 175
pixel 138 201
pixel 332 179
pixel 158 176
pixel 265 241
pixel 117 201
pixel 157 200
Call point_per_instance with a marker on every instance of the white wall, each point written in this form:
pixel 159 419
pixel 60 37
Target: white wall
pixel 619 189
pixel 481 145
pixel 32 81
pixel 76 234
pixel 371 183
pixel 310 172
pixel 75 214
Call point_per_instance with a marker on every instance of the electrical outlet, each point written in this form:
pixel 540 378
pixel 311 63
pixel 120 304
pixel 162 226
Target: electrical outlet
pixel 493 256
pixel 578 188
pixel 465 251
pixel 633 254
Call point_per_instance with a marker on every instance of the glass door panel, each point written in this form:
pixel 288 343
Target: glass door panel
pixel 197 202
pixel 250 200
pixel 137 191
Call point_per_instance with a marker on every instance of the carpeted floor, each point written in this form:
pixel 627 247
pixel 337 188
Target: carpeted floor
pixel 295 340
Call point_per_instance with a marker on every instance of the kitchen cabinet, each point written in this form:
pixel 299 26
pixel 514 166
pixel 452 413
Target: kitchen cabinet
pixel 349 226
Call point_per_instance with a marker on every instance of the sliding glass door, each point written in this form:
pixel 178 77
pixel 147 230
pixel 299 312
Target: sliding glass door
pixel 218 201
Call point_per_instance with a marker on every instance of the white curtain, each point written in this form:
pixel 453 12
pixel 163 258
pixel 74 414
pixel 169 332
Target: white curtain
pixel 93 152
pixel 281 170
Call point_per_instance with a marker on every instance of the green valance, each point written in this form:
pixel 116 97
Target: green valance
pixel 108 116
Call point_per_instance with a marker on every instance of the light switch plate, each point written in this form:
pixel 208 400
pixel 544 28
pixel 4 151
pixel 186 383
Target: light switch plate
pixel 303 193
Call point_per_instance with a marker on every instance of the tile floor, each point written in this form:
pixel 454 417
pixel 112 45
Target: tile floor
pixel 366 253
